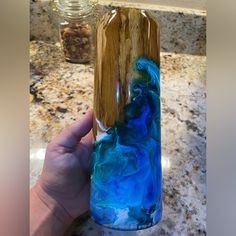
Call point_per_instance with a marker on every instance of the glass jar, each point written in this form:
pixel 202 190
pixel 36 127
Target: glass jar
pixel 126 179
pixel 76 29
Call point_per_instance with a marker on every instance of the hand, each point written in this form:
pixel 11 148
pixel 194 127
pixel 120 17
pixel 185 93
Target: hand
pixel 65 179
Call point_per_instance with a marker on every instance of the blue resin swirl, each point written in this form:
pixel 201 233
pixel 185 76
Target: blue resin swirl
pixel 126 169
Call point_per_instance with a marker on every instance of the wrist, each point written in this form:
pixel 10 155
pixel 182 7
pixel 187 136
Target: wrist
pixel 52 216
pixel 57 210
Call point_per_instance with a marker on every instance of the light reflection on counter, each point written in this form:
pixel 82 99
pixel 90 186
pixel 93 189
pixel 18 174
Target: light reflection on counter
pixel 165 162
pixel 37 156
pixel 38 153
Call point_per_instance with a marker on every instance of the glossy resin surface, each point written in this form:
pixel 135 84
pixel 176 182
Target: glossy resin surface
pixel 126 168
pixel 126 174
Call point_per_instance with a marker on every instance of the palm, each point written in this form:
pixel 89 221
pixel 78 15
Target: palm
pixel 66 171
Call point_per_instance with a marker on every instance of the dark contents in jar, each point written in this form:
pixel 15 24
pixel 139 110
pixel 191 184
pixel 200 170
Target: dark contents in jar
pixel 77 42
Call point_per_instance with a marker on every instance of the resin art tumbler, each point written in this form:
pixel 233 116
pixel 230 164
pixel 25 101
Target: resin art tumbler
pixel 126 180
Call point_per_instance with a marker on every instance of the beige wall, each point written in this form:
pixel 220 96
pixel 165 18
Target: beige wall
pixel 194 4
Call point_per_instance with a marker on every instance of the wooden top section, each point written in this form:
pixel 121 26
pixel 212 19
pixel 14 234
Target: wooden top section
pixel 123 35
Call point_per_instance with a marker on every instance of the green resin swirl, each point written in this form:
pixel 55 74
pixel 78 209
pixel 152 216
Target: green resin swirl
pixel 126 167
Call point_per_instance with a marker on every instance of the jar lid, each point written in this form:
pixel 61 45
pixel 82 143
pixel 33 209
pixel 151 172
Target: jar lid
pixel 74 8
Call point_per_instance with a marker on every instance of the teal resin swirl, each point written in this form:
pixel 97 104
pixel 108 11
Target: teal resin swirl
pixel 126 168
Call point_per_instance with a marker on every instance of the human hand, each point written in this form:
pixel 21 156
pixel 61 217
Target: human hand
pixel 65 179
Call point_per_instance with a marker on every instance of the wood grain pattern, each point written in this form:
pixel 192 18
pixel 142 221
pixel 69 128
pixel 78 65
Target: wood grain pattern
pixel 123 35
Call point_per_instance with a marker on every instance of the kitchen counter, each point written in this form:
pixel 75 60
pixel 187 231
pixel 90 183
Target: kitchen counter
pixel 181 30
pixel 61 93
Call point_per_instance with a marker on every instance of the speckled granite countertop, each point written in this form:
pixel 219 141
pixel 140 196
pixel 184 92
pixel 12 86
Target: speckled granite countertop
pixel 63 92
pixel 181 30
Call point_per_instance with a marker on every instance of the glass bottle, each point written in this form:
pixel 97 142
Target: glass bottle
pixel 126 179
pixel 76 29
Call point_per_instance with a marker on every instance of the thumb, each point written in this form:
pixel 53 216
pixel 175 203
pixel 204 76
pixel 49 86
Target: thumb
pixel 70 136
